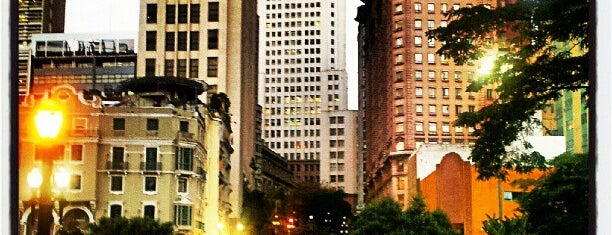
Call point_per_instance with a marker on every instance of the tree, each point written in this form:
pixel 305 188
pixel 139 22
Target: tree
pixel 386 217
pixel 558 204
pixel 549 53
pixel 326 206
pixel 505 226
pixel 257 210
pixel 125 226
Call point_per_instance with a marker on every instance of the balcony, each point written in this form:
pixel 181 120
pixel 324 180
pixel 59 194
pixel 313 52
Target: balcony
pixel 185 135
pixel 117 166
pixel 150 166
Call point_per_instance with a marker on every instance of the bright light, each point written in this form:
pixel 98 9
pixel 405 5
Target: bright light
pixel 61 178
pixel 290 220
pixel 48 121
pixel 486 65
pixel 35 178
pixel 220 226
pixel 240 226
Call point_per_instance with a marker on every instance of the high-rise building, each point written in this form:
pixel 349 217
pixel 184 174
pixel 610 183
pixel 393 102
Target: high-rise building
pixel 35 16
pixel 426 91
pixel 215 42
pixel 303 90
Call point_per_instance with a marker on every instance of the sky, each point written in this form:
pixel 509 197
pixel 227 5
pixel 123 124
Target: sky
pixel 121 16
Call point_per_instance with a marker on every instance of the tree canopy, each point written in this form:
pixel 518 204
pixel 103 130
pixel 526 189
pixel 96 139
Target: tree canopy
pixel 125 226
pixel 544 50
pixel 386 217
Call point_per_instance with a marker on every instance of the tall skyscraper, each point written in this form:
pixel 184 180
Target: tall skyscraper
pixel 426 91
pixel 303 90
pixel 214 42
pixel 35 16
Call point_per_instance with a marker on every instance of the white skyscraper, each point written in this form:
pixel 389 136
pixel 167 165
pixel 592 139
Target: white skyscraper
pixel 303 90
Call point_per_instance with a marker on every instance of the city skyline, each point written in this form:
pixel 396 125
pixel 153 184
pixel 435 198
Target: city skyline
pixel 89 16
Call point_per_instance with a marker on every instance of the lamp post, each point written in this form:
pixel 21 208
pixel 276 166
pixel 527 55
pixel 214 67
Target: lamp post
pixel 48 121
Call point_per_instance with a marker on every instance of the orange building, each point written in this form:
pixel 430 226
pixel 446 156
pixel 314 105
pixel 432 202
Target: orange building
pixel 447 180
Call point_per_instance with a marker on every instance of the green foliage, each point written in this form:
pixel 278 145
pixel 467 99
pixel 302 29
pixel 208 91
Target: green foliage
pixel 505 226
pixel 559 202
pixel 125 226
pixel 386 217
pixel 257 210
pixel 326 205
pixel 548 52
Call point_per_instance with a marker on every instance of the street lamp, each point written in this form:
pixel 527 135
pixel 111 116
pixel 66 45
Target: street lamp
pixel 48 121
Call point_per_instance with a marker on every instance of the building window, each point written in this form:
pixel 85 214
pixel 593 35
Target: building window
pixel 398 9
pixel 399 59
pixel 445 109
pixel 193 68
pixel 431 58
pixel 212 67
pixel 399 93
pixel 169 67
pixel 169 41
pixel 418 127
pixel 418 41
pixel 194 40
pixel 151 159
pixel 418 24
pixel 431 42
pixel 150 184
pixel 432 109
pixel 418 58
pixel 399 41
pixel 184 126
pixel 432 92
pixel 399 110
pixel 418 92
pixel 457 109
pixel 182 185
pixel 401 181
pixel 417 8
pixel 182 13
pixel 398 25
pixel 458 130
pixel 455 6
pixel 152 124
pixel 399 127
pixel 444 7
pixel 432 128
pixel 76 153
pixel 182 215
pixel 194 13
pixel 445 75
pixel 458 93
pixel 170 14
pixel 445 93
pixel 431 75
pixel 182 41
pixel 117 159
pixel 399 76
pixel 489 94
pixel 213 39
pixel 115 211
pixel 418 75
pixel 148 211
pixel 181 68
pixel 151 13
pixel 445 128
pixel 419 109
pixel 471 108
pixel 213 11
pixel 185 159
pixel 149 67
pixel 75 182
pixel 116 184
pixel 457 76
pixel 151 40
pixel 430 8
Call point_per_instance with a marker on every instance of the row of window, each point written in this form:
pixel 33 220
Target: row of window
pixel 178 41
pixel 291 133
pixel 418 58
pixel 398 25
pixel 182 213
pixel 298 156
pixel 431 7
pixel 432 128
pixel 117 184
pixel 294 5
pixel 288 33
pixel 336 178
pixel 212 67
pixel 294 14
pixel 418 92
pixel 184 159
pixel 182 13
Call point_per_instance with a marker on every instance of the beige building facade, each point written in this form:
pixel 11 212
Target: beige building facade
pixel 214 42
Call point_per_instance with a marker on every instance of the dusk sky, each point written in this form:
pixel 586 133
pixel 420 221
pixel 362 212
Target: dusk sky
pixel 121 16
